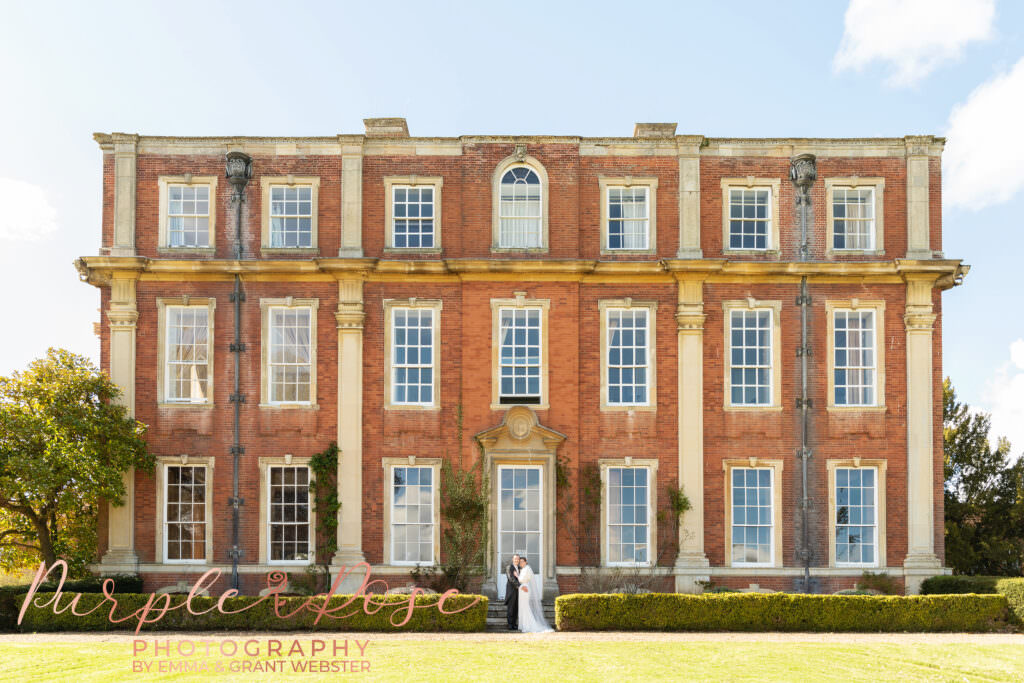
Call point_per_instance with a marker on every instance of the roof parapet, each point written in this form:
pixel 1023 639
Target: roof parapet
pixel 654 130
pixel 386 128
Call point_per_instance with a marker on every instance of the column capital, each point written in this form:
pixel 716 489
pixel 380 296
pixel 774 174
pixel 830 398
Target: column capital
pixel 919 319
pixel 122 318
pixel 690 319
pixel 350 317
pixel 350 314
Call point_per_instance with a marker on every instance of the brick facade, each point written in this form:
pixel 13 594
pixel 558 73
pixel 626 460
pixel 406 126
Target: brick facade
pixel 574 276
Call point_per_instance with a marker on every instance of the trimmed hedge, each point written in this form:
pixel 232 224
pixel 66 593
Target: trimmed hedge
pixel 780 612
pixel 11 596
pixel 260 617
pixel 951 585
pixel 1013 590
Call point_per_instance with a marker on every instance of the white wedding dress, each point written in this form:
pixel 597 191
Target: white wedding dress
pixel 531 612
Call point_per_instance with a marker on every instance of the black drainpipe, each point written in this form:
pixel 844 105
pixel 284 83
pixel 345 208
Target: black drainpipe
pixel 802 172
pixel 239 170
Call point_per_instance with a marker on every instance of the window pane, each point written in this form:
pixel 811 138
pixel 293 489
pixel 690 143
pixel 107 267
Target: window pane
pixel 187 351
pixel 627 515
pixel 627 356
pixel 519 209
pixel 412 515
pixel 628 224
pixel 290 357
pixel 752 515
pixel 412 356
pixel 853 218
pixel 750 218
pixel 289 514
pixel 520 355
pixel 854 357
pixel 855 515
pixel 185 512
pixel 412 222
pixel 750 355
pixel 188 216
pixel 291 216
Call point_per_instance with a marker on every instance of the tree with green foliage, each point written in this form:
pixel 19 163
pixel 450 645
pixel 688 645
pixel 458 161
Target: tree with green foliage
pixel 65 443
pixel 984 494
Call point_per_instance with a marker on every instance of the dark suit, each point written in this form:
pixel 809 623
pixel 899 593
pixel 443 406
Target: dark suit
pixel 512 596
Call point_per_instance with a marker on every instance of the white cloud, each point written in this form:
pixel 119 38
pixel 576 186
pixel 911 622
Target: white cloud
pixel 982 163
pixel 912 36
pixel 1005 394
pixel 27 213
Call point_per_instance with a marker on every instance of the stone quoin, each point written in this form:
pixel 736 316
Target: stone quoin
pixel 609 319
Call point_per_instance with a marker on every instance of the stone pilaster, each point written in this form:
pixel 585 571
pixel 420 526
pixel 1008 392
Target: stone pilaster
pixel 689 196
pixel 918 228
pixel 350 317
pixel 122 316
pixel 691 563
pixel 921 561
pixel 351 197
pixel 125 147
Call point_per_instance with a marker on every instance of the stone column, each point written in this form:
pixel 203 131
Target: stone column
pixel 921 561
pixel 125 147
pixel 351 196
pixel 918 229
pixel 689 197
pixel 350 317
pixel 691 563
pixel 122 316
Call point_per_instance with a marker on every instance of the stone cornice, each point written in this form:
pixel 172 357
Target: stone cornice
pixel 683 144
pixel 97 270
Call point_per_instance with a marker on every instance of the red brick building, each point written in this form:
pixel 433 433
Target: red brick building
pixel 598 322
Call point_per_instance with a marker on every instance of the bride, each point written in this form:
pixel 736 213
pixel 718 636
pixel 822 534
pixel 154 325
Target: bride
pixel 531 613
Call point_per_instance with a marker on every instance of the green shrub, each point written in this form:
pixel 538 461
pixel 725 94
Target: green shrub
pixel 261 617
pixel 1013 590
pixel 881 582
pixel 11 596
pixel 950 585
pixel 780 612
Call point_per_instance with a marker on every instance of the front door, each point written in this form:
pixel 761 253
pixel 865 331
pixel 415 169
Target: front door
pixel 519 518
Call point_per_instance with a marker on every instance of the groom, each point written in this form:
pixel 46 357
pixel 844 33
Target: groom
pixel 512 594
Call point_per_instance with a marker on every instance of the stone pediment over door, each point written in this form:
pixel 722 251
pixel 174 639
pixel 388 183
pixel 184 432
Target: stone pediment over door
pixel 520 432
pixel 520 442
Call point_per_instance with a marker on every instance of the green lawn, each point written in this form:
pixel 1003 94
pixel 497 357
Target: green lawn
pixel 562 659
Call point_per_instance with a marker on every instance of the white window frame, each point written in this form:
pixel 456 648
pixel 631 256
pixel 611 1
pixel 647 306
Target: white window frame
pixel 267 183
pixel 161 479
pixel 163 368
pixel 434 464
pixel 650 185
pixel 605 308
pixel 775 335
pixel 164 183
pixel 265 465
pixel 391 183
pixel 266 306
pixel 857 306
pixel 772 185
pixel 651 466
pixel 516 161
pixel 519 302
pixel 776 468
pixel 880 468
pixel 877 185
pixel 391 306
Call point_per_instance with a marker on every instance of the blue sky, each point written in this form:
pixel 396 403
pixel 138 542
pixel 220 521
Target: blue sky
pixel 736 69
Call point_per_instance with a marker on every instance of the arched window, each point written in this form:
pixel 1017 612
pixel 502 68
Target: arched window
pixel 520 209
